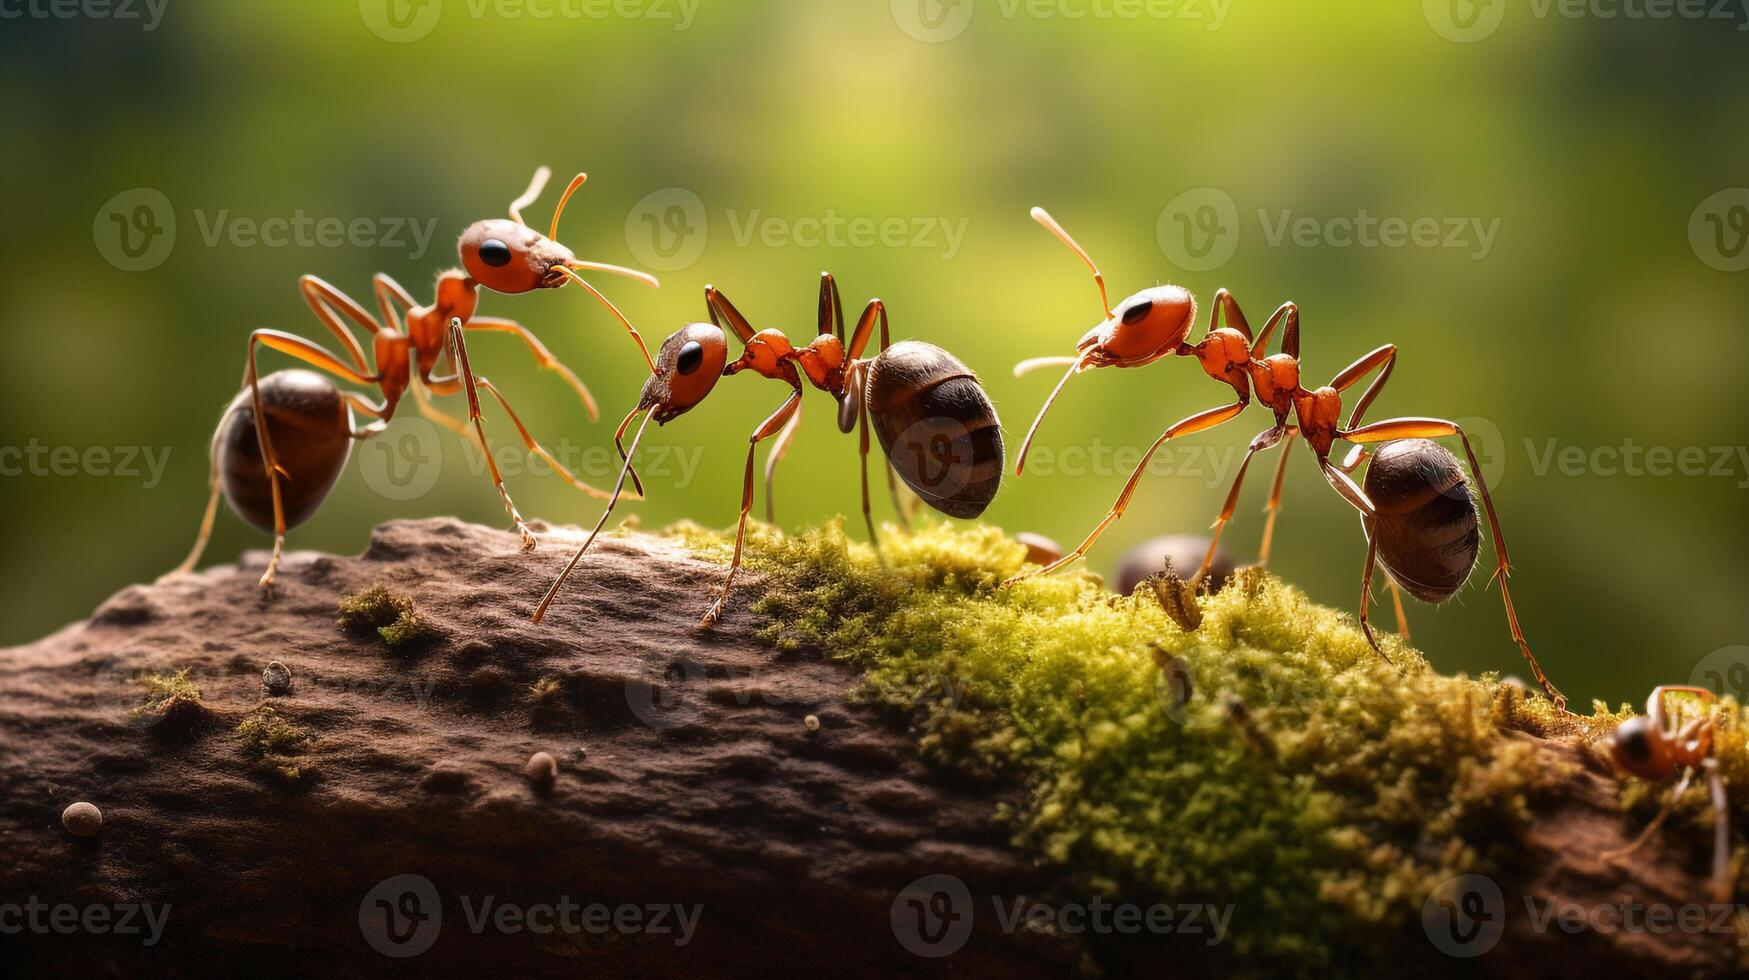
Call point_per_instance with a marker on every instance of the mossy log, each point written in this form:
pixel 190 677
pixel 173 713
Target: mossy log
pixel 1047 744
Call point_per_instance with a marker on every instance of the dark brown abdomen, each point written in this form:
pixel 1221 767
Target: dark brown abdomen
pixel 310 426
pixel 1426 527
pixel 936 426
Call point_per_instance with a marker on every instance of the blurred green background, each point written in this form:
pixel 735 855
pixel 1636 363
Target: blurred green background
pixel 1603 306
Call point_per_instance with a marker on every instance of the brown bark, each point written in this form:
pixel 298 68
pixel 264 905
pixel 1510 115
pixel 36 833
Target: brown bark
pixel 686 775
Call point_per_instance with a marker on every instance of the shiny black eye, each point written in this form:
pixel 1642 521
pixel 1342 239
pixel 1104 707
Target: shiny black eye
pixel 494 252
pixel 691 356
pixel 1138 312
pixel 1632 742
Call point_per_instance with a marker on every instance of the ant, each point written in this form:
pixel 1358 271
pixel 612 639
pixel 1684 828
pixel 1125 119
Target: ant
pixel 937 427
pixel 1415 483
pixel 686 369
pixel 1653 747
pixel 312 419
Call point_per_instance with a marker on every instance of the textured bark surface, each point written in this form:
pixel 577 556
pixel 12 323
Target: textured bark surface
pixel 686 775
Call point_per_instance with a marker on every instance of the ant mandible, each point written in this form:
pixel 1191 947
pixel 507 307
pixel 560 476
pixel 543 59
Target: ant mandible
pixel 1653 747
pixel 309 417
pixel 937 428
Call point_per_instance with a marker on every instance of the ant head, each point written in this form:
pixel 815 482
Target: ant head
pixel 823 362
pixel 768 353
pixel 687 368
pixel 506 255
pixel 510 257
pixel 1145 327
pixel 1638 748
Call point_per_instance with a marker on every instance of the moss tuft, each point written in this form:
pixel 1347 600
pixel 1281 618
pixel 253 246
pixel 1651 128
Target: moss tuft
pixel 275 744
pixel 1269 760
pixel 390 615
pixel 168 698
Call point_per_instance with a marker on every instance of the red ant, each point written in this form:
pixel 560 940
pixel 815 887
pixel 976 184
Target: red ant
pixel 1652 747
pixel 1415 484
pixel 307 415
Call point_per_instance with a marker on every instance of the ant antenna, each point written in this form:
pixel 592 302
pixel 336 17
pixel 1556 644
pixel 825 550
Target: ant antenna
pixel 535 186
pixel 547 600
pixel 571 188
pixel 1074 366
pixel 1043 217
pixel 615 311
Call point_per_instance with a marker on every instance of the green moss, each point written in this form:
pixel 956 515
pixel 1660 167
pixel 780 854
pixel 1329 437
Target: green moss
pixel 390 615
pixel 275 744
pixel 167 695
pixel 1270 760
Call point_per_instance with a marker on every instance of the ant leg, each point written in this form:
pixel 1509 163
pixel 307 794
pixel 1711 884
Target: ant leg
pixel 1657 821
pixel 831 307
pixel 862 436
pixel 542 356
pixel 329 304
pixel 904 507
pixel 1397 603
pixel 1408 428
pixel 1264 440
pixel 1372 551
pixel 1226 308
pixel 216 486
pixel 422 392
pixel 310 353
pixel 459 351
pixel 1287 313
pixel 394 301
pixel 1721 834
pixel 778 449
pixel 1274 506
pixel 766 430
pixel 534 447
pixel 724 312
pixel 1196 423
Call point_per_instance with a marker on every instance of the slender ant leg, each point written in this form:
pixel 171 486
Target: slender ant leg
pixel 766 430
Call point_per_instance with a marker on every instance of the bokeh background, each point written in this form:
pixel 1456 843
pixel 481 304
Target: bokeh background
pixel 1593 298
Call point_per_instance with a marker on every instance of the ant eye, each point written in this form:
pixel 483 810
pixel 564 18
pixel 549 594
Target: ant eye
pixel 691 356
pixel 494 252
pixel 1631 740
pixel 1138 312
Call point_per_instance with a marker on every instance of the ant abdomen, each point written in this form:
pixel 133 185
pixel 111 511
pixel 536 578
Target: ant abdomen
pixel 311 429
pixel 937 427
pixel 1425 525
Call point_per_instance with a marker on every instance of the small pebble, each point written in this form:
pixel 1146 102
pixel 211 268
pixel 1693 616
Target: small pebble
pixel 541 769
pixel 82 819
pixel 276 678
pixel 812 722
